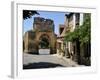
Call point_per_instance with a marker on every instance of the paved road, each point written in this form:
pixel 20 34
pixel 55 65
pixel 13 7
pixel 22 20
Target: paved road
pixel 46 61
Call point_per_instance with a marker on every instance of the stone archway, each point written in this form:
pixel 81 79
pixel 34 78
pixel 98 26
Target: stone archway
pixel 44 44
pixel 41 36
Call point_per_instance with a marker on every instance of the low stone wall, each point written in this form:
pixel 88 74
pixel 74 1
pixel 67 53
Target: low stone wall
pixel 44 51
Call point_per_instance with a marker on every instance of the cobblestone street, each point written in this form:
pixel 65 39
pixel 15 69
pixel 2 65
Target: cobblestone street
pixel 32 61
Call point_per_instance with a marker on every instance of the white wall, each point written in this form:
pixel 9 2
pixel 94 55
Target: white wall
pixel 74 21
pixel 81 19
pixel 5 40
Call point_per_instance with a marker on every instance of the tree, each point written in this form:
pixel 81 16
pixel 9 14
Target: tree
pixel 82 37
pixel 29 13
pixel 81 33
pixel 44 43
pixel 85 30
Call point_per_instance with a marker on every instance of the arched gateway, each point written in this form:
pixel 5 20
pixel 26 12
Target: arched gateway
pixel 44 42
pixel 42 36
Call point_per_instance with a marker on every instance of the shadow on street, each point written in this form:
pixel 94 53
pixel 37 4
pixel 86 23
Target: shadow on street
pixel 41 65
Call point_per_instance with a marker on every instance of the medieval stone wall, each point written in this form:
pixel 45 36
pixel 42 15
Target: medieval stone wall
pixel 42 24
pixel 41 27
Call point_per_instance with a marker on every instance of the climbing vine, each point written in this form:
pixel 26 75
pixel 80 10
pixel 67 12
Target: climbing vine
pixel 82 33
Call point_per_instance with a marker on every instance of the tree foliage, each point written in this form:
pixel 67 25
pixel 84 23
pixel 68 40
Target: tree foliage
pixel 44 43
pixel 82 33
pixel 29 13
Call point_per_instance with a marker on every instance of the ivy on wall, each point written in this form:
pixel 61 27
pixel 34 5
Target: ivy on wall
pixel 81 33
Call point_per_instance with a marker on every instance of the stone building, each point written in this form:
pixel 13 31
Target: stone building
pixel 69 49
pixel 73 20
pixel 41 36
pixel 79 53
pixel 60 40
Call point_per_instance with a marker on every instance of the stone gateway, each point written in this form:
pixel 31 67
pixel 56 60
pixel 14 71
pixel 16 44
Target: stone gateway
pixel 42 36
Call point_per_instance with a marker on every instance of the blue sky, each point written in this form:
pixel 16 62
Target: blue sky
pixel 57 17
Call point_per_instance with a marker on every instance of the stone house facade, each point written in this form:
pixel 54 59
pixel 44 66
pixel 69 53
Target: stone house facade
pixel 69 49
